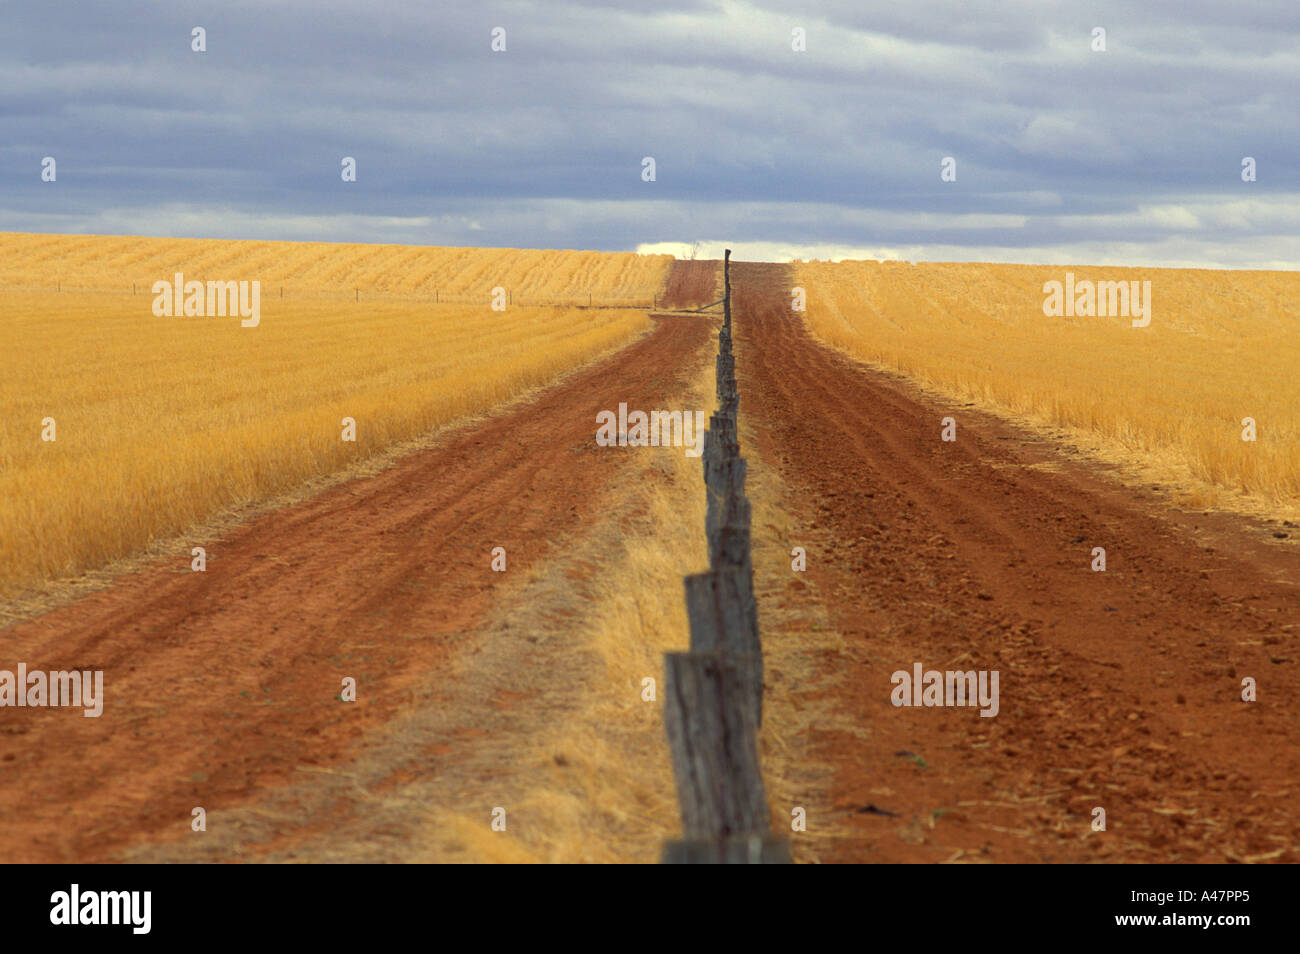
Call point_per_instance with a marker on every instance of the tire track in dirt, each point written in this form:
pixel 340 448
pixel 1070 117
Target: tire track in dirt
pixel 220 685
pixel 1119 689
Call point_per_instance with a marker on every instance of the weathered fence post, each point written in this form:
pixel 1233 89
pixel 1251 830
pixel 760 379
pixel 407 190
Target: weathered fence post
pixel 714 744
pixel 726 290
pixel 752 849
pixel 723 617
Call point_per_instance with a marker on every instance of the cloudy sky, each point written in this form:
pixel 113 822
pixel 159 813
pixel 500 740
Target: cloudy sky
pixel 1063 154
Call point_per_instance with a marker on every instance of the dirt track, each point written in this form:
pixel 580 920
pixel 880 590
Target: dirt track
pixel 692 284
pixel 1119 689
pixel 220 684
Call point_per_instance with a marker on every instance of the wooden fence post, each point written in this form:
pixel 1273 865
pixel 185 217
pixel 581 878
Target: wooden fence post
pixel 713 740
pixel 735 850
pixel 723 617
pixel 726 289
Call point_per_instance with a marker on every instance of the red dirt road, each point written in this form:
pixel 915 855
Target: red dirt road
pixel 1118 689
pixel 220 684
pixel 692 284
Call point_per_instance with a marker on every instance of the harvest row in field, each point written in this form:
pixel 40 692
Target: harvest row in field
pixel 317 268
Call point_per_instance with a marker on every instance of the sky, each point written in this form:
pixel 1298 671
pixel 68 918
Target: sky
pixel 1064 154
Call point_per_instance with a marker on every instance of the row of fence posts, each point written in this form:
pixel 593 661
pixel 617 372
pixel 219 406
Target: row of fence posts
pixel 437 298
pixel 713 694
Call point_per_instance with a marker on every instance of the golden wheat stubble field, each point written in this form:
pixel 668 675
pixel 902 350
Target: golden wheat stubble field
pixel 160 423
pixel 1166 401
pixel 326 270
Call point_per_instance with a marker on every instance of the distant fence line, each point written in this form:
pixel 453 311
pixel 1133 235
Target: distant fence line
pixel 713 694
pixel 272 290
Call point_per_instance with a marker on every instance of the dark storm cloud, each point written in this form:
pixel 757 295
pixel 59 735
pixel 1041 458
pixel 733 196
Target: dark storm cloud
pixel 1060 151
